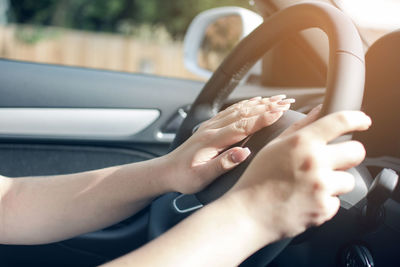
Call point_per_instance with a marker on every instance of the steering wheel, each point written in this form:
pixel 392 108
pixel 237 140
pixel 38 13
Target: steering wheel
pixel 344 91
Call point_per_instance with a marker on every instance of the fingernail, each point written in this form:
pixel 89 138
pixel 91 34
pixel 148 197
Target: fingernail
pixel 240 155
pixel 277 97
pixel 256 98
pixel 287 101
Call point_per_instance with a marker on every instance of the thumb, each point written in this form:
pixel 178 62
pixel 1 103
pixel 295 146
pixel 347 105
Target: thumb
pixel 226 161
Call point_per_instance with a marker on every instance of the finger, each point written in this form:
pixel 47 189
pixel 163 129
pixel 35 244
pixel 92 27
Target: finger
pixel 276 98
pixel 311 116
pixel 250 111
pixel 225 161
pixel 253 101
pixel 345 155
pixel 286 101
pixel 338 182
pixel 280 105
pixel 256 98
pixel 332 204
pixel 325 209
pixel 336 124
pixel 237 114
pixel 248 108
pixel 242 103
pixel 237 106
pixel 239 130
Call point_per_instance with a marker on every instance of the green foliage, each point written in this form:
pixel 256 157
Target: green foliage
pixel 109 15
pixel 34 34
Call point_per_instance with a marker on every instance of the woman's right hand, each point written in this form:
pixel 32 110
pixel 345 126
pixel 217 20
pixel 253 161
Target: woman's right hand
pixel 294 181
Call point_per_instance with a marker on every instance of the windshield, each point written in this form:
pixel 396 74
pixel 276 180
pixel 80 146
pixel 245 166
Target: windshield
pixel 142 36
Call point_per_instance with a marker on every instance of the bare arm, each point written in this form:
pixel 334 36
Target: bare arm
pixel 37 210
pixel 46 209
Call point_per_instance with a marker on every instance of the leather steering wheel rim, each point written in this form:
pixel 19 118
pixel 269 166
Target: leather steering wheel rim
pixel 344 88
pixel 346 68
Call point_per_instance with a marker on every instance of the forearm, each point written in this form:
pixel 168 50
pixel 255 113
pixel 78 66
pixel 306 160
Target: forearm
pixel 48 209
pixel 217 235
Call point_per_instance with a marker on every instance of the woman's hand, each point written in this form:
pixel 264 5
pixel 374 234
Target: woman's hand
pixel 203 157
pixel 294 181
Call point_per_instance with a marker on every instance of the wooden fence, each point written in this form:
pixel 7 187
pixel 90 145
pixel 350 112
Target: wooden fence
pixel 97 50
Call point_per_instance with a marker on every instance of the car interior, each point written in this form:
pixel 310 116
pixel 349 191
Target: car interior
pixel 60 119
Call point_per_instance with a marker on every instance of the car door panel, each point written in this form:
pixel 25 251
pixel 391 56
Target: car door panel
pixel 25 85
pixel 69 123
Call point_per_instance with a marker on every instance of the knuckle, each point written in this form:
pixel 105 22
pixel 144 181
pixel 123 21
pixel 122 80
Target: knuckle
pixel 309 162
pixel 318 186
pixel 319 216
pixel 243 112
pixel 323 208
pixel 241 126
pixel 315 219
pixel 237 107
pixel 218 168
pixel 297 140
pixel 224 164
pixel 343 118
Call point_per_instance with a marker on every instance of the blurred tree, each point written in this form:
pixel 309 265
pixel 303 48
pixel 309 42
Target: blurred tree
pixel 178 14
pixel 106 15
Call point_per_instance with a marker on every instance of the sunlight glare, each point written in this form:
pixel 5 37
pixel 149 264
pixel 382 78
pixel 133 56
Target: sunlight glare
pixel 374 14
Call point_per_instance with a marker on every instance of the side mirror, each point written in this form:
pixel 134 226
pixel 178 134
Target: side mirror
pixel 206 31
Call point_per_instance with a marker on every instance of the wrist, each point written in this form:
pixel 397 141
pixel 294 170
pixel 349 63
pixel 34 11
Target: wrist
pixel 261 228
pixel 177 175
pixel 165 175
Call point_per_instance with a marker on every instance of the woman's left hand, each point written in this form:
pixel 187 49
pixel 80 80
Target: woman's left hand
pixel 203 157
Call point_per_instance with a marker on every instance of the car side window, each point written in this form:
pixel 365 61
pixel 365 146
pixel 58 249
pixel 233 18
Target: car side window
pixel 142 36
